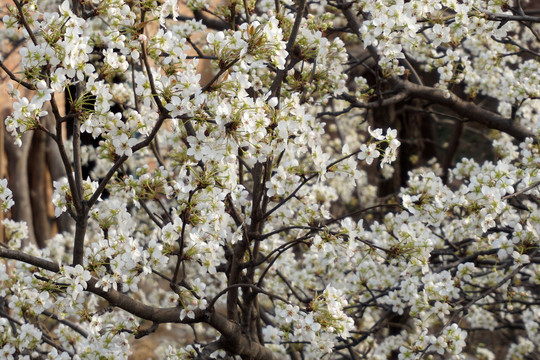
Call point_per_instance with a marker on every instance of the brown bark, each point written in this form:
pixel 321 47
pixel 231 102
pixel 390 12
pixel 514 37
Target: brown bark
pixel 18 180
pixel 56 169
pixel 468 110
pixel 37 172
pixel 233 339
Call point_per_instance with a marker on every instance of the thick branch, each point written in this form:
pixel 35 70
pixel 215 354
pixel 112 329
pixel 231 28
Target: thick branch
pixel 232 337
pixel 234 341
pixel 464 108
pixel 375 104
pixel 77 165
pixel 14 78
pixel 507 17
pixel 208 350
pixel 115 298
pixel 280 75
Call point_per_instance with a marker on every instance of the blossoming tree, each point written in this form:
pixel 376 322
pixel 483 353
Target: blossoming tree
pixel 250 206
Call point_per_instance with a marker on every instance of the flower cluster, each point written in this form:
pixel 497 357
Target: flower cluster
pixel 253 44
pixel 27 113
pixel 369 152
pixel 240 196
pixel 62 198
pixel 6 196
pixel 319 324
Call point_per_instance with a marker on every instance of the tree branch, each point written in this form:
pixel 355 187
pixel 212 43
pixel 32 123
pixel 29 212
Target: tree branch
pixel 464 108
pixel 115 298
pixel 280 75
pixel 233 339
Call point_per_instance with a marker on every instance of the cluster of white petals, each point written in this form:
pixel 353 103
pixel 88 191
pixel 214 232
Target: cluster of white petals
pixel 256 174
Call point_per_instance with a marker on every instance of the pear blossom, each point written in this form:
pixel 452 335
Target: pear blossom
pixel 229 189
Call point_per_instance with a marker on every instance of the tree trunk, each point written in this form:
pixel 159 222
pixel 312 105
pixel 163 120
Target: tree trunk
pixel 18 181
pixel 38 177
pixel 56 168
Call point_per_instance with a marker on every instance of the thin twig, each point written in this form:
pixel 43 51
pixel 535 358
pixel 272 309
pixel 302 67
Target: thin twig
pixel 530 187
